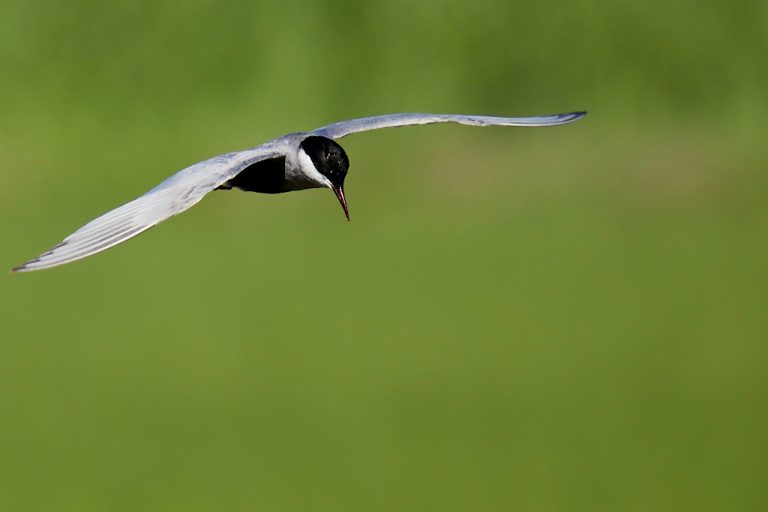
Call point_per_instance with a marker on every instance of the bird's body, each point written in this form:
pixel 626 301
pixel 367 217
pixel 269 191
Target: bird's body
pixel 296 161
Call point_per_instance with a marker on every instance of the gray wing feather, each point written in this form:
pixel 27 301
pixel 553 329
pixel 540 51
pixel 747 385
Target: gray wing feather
pixel 344 128
pixel 173 196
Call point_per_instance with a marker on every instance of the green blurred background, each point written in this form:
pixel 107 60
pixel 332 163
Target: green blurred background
pixel 567 318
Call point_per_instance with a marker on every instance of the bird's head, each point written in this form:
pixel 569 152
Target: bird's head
pixel 331 162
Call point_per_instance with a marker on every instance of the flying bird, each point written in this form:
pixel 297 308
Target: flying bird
pixel 296 161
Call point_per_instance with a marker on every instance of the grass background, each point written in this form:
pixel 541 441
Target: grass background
pixel 566 318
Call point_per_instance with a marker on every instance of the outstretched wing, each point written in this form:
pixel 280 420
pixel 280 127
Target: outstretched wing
pixel 173 196
pixel 364 124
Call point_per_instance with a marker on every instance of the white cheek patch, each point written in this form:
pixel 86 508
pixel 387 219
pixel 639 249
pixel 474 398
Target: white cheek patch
pixel 311 172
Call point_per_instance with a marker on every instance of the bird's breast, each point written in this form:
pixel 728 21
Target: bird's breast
pixel 266 176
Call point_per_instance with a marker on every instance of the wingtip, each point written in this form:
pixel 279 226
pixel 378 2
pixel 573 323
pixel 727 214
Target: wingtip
pixel 29 266
pixel 566 118
pixel 24 267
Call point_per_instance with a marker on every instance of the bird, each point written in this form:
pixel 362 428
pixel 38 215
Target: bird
pixel 296 161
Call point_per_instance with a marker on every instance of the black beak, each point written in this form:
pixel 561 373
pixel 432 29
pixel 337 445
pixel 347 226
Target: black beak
pixel 339 191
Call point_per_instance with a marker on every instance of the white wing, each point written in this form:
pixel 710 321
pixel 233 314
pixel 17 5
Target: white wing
pixel 175 195
pixel 344 128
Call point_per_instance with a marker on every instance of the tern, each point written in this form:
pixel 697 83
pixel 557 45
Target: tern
pixel 296 161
